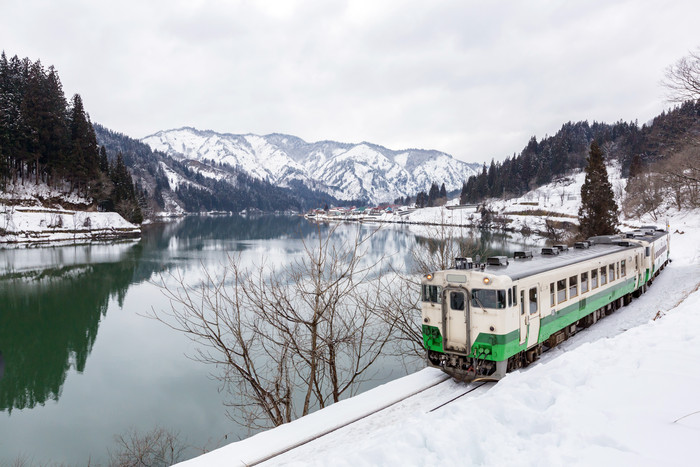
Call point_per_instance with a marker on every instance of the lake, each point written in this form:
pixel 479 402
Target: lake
pixel 80 360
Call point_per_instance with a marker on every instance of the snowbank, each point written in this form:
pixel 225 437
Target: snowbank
pixel 21 225
pixel 25 219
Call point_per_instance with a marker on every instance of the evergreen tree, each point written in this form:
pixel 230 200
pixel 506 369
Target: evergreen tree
pixel 421 199
pixel 598 214
pixel 443 192
pixel 124 195
pixel 636 166
pixel 463 194
pixel 433 194
pixel 84 150
pixel 104 162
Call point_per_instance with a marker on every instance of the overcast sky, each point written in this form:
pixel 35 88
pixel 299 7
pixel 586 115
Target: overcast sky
pixel 475 79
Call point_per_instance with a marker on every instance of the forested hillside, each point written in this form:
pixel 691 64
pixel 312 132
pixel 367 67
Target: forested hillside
pixel 542 161
pixel 172 185
pixel 46 139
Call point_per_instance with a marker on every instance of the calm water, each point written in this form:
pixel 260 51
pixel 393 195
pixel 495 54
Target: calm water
pixel 79 361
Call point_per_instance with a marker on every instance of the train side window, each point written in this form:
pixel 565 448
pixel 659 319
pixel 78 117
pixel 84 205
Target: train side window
pixel 457 300
pixel 623 269
pixel 573 286
pixel 603 275
pixel 647 251
pixel 561 290
pixel 533 300
pixel 522 302
pixel 515 295
pixel 510 297
pixel 552 294
pixel 611 270
pixel 594 279
pixel 584 282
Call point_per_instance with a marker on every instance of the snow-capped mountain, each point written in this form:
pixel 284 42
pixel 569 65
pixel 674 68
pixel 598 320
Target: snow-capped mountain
pixel 345 171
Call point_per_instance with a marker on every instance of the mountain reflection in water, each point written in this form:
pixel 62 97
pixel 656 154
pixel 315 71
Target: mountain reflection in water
pixel 60 306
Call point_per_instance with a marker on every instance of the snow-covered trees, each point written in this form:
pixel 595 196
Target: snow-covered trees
pixel 598 212
pixel 44 139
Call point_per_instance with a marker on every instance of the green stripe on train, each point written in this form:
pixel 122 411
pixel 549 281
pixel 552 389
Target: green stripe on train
pixel 498 347
pixel 569 315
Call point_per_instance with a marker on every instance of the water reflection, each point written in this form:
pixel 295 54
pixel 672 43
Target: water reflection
pixel 49 322
pixel 54 298
pixel 54 301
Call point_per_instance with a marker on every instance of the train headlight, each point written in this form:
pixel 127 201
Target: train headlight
pixel 487 281
pixel 429 277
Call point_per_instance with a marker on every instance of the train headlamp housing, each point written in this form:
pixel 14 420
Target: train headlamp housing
pixel 429 277
pixel 487 281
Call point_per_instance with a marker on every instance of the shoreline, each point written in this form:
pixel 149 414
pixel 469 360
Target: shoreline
pixel 27 226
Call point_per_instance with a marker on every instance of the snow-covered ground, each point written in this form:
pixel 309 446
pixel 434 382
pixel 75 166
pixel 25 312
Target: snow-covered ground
pixel 622 392
pixel 26 219
pixel 557 201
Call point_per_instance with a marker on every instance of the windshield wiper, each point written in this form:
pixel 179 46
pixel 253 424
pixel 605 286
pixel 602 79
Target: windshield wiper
pixel 478 302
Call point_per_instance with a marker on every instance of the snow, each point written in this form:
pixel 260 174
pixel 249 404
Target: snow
pixel 25 219
pixel 559 200
pixel 346 171
pixel 622 392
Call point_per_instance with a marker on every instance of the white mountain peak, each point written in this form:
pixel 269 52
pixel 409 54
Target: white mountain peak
pixel 346 171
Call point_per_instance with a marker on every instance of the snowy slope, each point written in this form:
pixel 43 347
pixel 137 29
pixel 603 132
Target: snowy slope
pixel 623 392
pixel 346 171
pixel 32 214
pixel 557 201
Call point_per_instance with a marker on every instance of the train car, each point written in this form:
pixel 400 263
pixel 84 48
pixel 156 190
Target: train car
pixel 483 320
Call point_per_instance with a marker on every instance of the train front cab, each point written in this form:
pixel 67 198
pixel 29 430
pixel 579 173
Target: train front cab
pixel 472 322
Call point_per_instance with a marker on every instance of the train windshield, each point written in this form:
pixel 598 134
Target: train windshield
pixel 431 293
pixel 489 298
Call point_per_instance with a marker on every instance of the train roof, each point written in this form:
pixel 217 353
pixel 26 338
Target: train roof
pixel 602 246
pixel 521 268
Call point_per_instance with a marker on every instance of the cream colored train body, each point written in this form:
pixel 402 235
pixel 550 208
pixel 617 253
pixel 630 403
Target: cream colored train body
pixel 482 320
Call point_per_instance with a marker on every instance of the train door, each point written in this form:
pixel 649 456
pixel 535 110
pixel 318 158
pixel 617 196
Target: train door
pixel 456 320
pixel 523 318
pixel 533 310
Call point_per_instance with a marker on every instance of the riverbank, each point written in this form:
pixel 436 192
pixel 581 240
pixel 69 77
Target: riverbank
pixel 38 214
pixel 549 211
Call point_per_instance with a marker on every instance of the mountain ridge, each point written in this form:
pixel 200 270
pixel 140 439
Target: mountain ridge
pixel 345 171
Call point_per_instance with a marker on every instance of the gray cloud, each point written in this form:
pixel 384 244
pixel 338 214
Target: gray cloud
pixel 474 79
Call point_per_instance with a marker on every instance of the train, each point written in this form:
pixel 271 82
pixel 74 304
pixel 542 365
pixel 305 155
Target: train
pixel 482 319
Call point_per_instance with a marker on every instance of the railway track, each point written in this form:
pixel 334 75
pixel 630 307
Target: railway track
pixel 445 379
pixel 478 385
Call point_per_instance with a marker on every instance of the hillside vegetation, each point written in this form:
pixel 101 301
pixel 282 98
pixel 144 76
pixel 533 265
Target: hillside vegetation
pixel 45 139
pixel 540 162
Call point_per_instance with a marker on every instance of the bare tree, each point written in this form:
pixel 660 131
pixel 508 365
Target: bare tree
pixel 680 173
pixel 682 79
pixel 156 448
pixel 287 341
pixel 439 245
pixel 644 195
pixel 435 250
